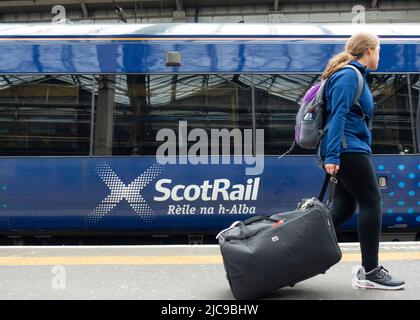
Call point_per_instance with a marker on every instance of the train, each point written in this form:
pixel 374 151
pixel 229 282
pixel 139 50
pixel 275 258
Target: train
pixel 166 130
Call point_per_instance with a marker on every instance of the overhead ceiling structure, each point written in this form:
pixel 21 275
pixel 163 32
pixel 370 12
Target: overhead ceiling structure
pixel 208 11
pixel 288 87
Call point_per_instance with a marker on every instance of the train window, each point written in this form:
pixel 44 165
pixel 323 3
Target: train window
pixel 394 122
pixel 44 115
pixel 394 129
pixel 276 105
pixel 144 104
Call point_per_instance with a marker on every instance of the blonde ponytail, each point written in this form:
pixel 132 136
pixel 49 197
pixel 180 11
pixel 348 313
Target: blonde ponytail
pixel 355 48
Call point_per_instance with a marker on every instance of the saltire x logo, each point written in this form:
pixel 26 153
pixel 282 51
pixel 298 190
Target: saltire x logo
pixel 119 192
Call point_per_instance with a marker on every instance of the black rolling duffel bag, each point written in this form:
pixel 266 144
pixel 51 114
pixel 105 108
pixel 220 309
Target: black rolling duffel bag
pixel 265 253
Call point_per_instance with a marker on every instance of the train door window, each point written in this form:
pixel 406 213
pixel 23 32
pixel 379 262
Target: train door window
pixel 415 97
pixel 44 115
pixel 394 121
pixel 142 105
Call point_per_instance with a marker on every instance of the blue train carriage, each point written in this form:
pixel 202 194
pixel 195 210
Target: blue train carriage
pixel 84 109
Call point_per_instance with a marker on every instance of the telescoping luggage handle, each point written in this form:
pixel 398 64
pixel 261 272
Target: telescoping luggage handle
pixel 332 181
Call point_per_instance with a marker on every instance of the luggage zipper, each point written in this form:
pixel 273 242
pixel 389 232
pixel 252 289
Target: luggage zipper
pixel 325 214
pixel 233 225
pixel 279 223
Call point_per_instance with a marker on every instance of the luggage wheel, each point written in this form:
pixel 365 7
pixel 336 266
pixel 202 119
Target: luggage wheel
pixel 292 285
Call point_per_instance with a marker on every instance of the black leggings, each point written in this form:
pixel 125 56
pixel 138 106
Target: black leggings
pixel 357 183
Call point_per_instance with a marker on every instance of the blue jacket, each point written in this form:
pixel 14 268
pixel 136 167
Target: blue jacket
pixel 343 116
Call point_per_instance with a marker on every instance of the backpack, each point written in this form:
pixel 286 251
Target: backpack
pixel 310 125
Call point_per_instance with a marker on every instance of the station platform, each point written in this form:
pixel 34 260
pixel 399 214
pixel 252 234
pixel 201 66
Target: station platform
pixel 178 272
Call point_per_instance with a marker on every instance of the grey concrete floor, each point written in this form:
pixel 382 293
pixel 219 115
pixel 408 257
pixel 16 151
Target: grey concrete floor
pixel 176 272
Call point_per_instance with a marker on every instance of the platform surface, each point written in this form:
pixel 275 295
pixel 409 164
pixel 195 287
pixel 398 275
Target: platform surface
pixel 177 272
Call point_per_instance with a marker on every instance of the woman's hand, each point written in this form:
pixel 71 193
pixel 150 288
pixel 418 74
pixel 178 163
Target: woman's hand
pixel 332 168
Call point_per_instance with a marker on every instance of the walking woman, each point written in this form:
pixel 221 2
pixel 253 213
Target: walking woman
pixel 346 151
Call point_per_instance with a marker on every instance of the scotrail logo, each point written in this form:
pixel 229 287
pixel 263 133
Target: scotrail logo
pixel 120 191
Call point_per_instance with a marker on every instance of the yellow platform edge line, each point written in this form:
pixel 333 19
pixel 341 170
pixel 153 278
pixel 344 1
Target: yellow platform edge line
pixel 165 260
